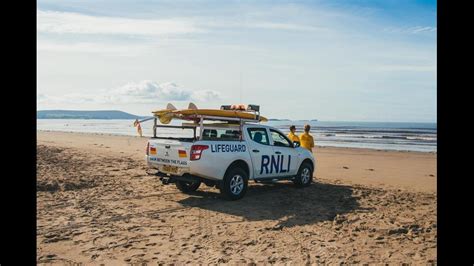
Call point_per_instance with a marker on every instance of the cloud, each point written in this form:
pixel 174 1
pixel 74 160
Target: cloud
pixel 148 90
pixel 77 23
pixel 419 29
pixel 71 99
pixel 91 47
pixel 285 26
pixel 205 95
pixel 40 96
pixel 411 30
pixel 143 92
pixel 68 22
pixel 406 68
pixel 256 23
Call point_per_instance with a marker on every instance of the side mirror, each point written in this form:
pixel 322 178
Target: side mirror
pixel 296 144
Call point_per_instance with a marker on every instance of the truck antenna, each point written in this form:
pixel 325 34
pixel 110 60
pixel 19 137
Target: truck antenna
pixel 241 87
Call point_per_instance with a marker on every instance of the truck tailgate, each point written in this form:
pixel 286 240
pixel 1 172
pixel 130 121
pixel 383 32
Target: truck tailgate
pixel 169 156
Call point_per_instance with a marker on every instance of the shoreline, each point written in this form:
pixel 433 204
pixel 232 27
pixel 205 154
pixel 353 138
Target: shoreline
pixel 317 146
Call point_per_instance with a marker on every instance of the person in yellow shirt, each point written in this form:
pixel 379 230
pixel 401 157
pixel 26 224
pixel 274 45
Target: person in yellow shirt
pixel 292 136
pixel 306 140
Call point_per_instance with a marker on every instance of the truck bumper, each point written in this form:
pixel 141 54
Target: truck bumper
pixel 169 179
pixel 166 179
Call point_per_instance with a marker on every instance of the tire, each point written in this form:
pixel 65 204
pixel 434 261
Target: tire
pixel 234 185
pixel 304 177
pixel 187 187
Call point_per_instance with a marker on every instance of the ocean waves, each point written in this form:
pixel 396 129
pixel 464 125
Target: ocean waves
pixel 384 136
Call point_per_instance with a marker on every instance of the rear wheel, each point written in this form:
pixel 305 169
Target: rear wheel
pixel 235 183
pixel 187 187
pixel 304 176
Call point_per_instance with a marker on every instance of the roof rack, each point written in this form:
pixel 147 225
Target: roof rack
pixel 198 116
pixel 227 119
pixel 232 122
pixel 244 107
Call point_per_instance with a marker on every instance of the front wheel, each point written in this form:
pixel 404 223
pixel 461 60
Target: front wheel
pixel 234 185
pixel 304 176
pixel 187 187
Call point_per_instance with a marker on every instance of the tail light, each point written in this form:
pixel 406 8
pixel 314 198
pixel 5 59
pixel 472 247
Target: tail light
pixel 148 148
pixel 196 151
pixel 182 154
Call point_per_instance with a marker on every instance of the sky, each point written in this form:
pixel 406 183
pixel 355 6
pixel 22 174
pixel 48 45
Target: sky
pixel 327 60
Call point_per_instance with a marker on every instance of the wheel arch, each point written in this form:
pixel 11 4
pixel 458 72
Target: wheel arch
pixel 239 163
pixel 307 160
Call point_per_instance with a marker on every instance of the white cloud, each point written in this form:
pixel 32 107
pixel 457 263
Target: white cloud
pixel 91 47
pixel 419 29
pixel 143 92
pixel 411 30
pixel 149 91
pixel 205 95
pixel 71 99
pixel 407 68
pixel 285 26
pixel 255 23
pixel 68 22
pixel 76 23
pixel 40 97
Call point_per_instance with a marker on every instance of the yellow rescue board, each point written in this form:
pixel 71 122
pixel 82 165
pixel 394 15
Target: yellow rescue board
pixel 167 115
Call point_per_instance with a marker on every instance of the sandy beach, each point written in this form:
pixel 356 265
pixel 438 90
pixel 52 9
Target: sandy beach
pixel 98 203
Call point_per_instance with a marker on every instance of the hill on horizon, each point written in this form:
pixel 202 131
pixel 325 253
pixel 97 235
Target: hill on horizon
pixel 72 114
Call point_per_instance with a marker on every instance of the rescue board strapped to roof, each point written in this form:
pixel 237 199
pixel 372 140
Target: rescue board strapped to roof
pixel 241 112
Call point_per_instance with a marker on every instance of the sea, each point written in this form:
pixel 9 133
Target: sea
pixel 421 137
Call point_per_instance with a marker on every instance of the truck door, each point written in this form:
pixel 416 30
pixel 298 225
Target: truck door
pixel 285 159
pixel 260 151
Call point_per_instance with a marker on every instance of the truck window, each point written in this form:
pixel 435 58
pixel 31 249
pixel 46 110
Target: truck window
pixel 259 135
pixel 221 134
pixel 279 139
pixel 175 133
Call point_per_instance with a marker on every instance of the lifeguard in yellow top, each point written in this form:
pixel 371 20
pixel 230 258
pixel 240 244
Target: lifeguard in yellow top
pixel 306 140
pixel 292 136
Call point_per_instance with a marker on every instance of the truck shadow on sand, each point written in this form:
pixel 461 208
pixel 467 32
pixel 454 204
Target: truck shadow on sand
pixel 282 202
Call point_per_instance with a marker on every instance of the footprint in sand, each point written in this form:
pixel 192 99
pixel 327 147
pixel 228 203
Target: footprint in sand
pixel 345 167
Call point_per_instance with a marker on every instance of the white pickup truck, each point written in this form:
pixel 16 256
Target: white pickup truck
pixel 227 156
